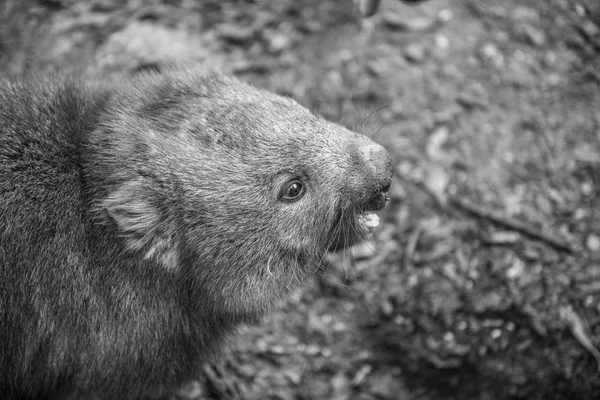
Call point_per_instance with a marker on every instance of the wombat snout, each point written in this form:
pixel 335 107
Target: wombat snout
pixel 380 161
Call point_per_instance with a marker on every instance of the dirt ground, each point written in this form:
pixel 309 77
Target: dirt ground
pixel 484 280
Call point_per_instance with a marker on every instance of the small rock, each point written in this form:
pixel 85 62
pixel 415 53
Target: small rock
pixel 311 26
pixel 531 253
pixel 294 376
pixel 447 114
pixel 235 33
pixel 400 23
pixel 534 36
pixel 471 101
pixel 592 242
pixel 414 53
pixel 277 349
pixel 143 44
pixel 585 154
pixel 437 181
pixel 492 54
pixel 277 42
pixel 103 6
pixel 516 270
pixel 387 308
pixel 340 387
pixel 445 15
pixel 247 370
pixel 261 345
pixel 191 390
pixel 368 8
pixel 587 188
pixel 436 142
pixel 441 46
pixel 504 237
pixel 361 374
pixel 85 22
pixel 312 350
pixel 580 214
pixel 525 14
pixel 378 67
pixel 249 66
pixel 590 28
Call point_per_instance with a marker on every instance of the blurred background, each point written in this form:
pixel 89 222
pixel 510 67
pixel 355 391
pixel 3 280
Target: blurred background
pixel 484 280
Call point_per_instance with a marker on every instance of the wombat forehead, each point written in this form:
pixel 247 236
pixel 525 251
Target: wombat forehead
pixel 266 126
pixel 217 116
pixel 212 106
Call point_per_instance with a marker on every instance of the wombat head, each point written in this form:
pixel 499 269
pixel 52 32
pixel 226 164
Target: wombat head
pixel 238 189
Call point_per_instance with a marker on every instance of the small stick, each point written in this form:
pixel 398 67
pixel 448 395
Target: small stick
pixel 512 223
pixel 579 331
pixel 411 246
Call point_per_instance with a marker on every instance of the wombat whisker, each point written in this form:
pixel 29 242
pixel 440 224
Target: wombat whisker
pixel 352 261
pixel 291 283
pixel 343 256
pixel 333 235
pixel 319 271
pixel 356 126
pixel 365 122
pixel 378 130
pixel 344 251
pixel 316 266
pixel 352 224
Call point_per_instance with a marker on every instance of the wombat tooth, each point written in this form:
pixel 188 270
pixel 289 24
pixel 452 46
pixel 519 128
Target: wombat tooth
pixel 370 220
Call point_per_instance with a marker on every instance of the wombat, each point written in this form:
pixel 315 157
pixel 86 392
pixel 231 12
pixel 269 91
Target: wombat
pixel 140 223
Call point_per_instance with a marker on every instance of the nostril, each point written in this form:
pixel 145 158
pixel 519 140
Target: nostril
pixel 376 201
pixel 379 161
pixel 386 187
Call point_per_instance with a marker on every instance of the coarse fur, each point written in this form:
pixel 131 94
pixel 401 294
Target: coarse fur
pixel 142 222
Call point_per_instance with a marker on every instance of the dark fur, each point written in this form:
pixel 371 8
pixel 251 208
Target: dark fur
pixel 139 224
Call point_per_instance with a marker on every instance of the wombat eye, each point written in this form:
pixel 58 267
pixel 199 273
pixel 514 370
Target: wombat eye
pixel 294 190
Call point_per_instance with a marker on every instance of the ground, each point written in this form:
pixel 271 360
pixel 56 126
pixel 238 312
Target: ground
pixel 483 281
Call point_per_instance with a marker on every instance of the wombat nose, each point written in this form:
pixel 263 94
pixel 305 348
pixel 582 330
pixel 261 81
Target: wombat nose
pixel 378 158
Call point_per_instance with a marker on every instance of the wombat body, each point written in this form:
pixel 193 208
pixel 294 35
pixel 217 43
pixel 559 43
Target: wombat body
pixel 140 224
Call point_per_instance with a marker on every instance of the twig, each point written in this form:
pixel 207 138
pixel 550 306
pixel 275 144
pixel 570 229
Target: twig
pixel 579 331
pixel 411 246
pixel 512 223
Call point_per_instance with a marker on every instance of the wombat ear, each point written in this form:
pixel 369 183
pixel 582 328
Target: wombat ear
pixel 138 222
pixel 135 217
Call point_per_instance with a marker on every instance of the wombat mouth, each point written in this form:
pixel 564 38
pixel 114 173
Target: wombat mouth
pixel 352 228
pixel 377 201
pixel 368 217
